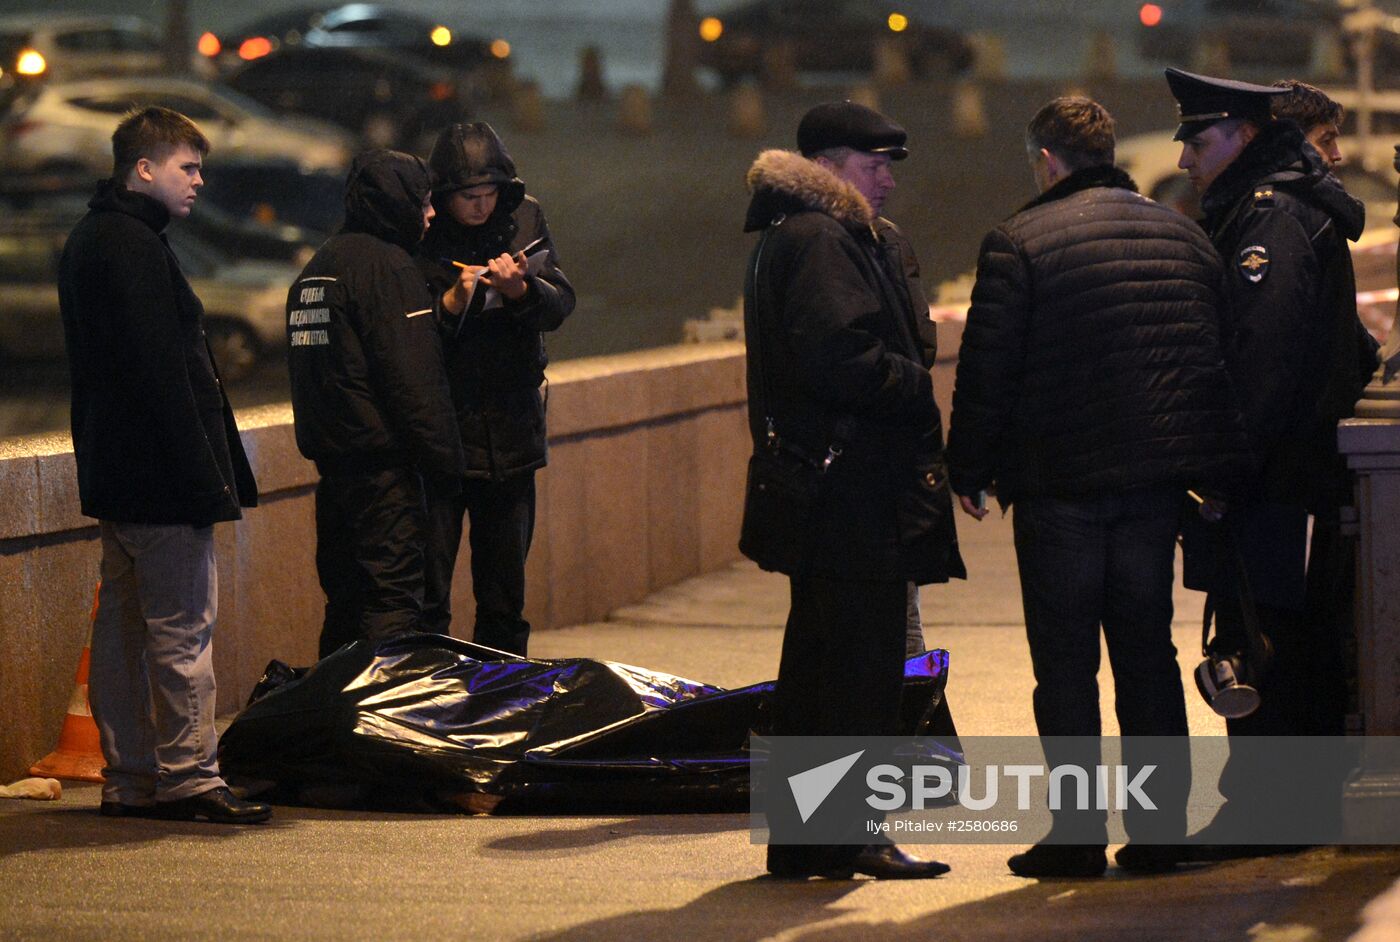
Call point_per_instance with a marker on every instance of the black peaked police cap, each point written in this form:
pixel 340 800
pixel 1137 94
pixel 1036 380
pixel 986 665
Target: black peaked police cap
pixel 1203 100
pixel 847 124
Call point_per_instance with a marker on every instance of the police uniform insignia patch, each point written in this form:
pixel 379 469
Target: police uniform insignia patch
pixel 1254 263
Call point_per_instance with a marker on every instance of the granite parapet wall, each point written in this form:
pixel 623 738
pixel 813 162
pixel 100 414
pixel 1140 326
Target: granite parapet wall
pixel 644 488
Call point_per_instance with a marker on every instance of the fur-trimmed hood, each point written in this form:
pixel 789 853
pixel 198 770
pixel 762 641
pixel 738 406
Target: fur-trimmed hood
pixel 784 182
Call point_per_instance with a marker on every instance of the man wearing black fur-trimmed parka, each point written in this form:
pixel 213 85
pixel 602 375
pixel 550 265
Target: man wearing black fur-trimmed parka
pixel 1091 391
pixel 847 494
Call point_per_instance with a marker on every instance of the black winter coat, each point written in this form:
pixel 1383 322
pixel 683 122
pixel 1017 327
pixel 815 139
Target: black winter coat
pixel 368 387
pixel 1298 354
pixel 834 356
pixel 496 360
pixel 901 258
pixel 153 433
pixel 1091 360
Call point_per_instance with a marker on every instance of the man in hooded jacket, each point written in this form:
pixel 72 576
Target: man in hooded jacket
pixel 371 401
pixel 495 366
pixel 1299 360
pixel 841 410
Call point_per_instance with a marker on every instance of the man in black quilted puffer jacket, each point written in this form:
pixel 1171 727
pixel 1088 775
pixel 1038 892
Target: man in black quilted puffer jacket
pixel 1092 393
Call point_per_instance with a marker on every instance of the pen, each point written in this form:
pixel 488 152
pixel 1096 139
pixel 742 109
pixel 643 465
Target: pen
pixel 519 257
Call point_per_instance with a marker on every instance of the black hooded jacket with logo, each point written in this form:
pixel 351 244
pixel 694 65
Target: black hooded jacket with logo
pixel 495 359
pixel 1293 344
pixel 368 387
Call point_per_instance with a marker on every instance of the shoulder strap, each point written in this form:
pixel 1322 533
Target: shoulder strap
pixel 755 273
pixel 1257 644
pixel 844 425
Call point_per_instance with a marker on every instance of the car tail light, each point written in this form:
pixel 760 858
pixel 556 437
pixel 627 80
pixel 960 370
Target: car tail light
pixel 209 45
pixel 500 49
pixel 441 91
pixel 254 47
pixel 1150 14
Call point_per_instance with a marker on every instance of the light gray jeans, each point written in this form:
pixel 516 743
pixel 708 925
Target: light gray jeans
pixel 151 683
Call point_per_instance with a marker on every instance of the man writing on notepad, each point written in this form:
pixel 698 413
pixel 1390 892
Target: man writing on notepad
pixel 489 228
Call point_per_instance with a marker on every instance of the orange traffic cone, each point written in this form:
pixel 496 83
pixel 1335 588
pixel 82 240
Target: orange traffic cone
pixel 78 755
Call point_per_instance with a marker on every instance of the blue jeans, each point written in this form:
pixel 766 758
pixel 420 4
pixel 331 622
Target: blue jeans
pixel 151 683
pixel 1104 562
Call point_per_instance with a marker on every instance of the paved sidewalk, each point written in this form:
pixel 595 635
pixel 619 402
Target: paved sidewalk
pixel 66 873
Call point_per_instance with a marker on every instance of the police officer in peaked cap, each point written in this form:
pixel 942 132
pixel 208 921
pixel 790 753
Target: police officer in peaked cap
pixel 1299 359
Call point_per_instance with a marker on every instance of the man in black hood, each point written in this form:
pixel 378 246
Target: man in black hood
pixel 1299 359
pixel 371 400
pixel 486 227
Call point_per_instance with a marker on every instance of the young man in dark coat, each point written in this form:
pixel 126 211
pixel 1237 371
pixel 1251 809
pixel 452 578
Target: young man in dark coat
pixel 371 402
pixel 1315 113
pixel 495 365
pixel 835 379
pixel 1299 359
pixel 159 462
pixel 1092 393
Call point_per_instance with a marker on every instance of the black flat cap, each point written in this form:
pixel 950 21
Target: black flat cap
pixel 1203 100
pixel 847 124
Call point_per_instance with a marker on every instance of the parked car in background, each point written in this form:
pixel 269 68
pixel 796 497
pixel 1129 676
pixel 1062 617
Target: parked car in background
pixel 481 65
pixel 273 195
pixel 824 36
pixel 244 302
pixel 63 47
pixel 387 101
pixel 256 210
pixel 68 125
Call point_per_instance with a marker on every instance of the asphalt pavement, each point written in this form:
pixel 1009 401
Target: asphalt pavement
pixel 67 873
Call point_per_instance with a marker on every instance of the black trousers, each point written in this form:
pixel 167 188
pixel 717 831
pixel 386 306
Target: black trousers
pixel 1104 563
pixel 370 531
pixel 1304 692
pixel 841 674
pixel 502 517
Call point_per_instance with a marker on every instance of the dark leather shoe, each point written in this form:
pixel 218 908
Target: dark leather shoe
pixel 1060 860
pixel 218 806
pixel 117 809
pixel 888 862
pixel 1149 858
